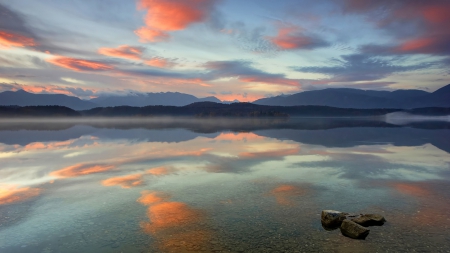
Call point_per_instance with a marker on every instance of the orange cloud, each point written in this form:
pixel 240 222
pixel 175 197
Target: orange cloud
pixel 8 40
pixel 164 16
pixel 80 170
pixel 148 198
pixel 124 51
pixel 151 35
pixel 126 182
pixel 160 62
pixel 79 64
pixel 13 194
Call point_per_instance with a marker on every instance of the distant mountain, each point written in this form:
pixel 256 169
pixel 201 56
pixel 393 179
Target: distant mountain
pixel 363 99
pixel 230 102
pixel 23 98
pixel 146 99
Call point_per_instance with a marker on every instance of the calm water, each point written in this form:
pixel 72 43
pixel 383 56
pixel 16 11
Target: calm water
pixel 243 185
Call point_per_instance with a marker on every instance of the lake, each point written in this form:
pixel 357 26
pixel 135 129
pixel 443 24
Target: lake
pixel 221 185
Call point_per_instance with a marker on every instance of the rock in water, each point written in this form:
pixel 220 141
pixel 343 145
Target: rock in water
pixel 353 230
pixel 332 219
pixel 367 220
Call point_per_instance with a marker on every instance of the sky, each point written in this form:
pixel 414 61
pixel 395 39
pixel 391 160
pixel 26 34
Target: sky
pixel 231 49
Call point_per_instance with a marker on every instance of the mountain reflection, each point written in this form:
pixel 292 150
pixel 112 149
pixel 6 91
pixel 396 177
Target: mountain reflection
pixel 205 186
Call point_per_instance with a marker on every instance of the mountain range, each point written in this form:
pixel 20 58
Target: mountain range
pixel 333 97
pixel 363 99
pixel 23 98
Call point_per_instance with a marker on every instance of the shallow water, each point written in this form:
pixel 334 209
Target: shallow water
pixel 247 185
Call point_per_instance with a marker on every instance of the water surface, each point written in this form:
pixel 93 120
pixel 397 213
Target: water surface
pixel 221 185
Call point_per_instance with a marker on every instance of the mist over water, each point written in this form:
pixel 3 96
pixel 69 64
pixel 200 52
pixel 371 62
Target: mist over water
pixel 225 185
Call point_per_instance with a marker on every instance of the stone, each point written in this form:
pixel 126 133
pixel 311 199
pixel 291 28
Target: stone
pixel 367 220
pixel 354 230
pixel 332 219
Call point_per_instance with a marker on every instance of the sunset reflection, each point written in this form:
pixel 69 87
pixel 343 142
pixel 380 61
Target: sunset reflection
pixel 176 226
pixel 149 198
pixel 159 171
pixel 127 181
pixel 433 205
pixel 80 170
pixel 170 215
pixel 48 146
pixel 285 193
pixel 10 194
pixel 238 137
pixel 412 189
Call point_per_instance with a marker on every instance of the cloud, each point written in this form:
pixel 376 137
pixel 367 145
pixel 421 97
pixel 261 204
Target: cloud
pixel 420 27
pixel 160 62
pixel 164 16
pixel 360 67
pixel 49 89
pixel 293 37
pixel 79 64
pixel 10 21
pixel 8 40
pixel 250 39
pixel 123 51
pixel 246 73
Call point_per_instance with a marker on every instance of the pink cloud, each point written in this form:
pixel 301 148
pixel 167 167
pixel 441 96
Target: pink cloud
pixel 79 64
pixel 124 51
pixel 160 62
pixel 293 37
pixel 165 16
pixel 8 40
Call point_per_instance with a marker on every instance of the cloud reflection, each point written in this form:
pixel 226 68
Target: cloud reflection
pixel 10 194
pixel 127 181
pixel 81 170
pixel 176 226
pixel 285 193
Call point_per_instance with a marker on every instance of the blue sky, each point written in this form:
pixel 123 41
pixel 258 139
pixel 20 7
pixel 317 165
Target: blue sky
pixel 230 49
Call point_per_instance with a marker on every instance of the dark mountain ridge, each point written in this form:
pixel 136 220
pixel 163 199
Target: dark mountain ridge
pixel 23 98
pixel 147 99
pixel 363 99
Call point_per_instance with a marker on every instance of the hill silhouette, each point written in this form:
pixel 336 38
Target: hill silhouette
pixel 363 99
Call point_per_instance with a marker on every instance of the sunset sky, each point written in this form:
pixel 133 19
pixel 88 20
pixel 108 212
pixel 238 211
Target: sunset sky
pixel 230 49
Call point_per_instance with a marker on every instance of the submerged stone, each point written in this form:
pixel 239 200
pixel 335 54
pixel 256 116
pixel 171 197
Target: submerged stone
pixel 332 219
pixel 354 230
pixel 367 220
